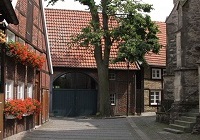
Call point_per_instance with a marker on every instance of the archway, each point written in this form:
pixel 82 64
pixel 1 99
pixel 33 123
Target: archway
pixel 74 94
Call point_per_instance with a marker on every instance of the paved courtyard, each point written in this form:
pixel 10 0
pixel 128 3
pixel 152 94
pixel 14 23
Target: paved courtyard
pixel 130 128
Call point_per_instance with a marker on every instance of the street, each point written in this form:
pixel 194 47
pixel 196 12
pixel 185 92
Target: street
pixel 130 128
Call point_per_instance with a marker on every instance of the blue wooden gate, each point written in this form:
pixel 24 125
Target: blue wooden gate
pixel 71 103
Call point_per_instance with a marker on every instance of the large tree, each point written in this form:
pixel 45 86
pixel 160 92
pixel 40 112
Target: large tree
pixel 133 31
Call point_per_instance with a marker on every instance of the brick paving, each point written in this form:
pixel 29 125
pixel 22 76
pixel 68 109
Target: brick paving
pixel 130 128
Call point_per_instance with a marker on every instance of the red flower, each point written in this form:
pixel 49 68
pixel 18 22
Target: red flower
pixel 15 107
pixel 24 55
pixel 18 107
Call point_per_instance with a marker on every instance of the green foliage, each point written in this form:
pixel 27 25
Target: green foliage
pixel 138 36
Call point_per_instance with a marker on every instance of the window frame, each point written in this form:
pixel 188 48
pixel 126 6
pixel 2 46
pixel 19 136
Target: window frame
pixel 9 93
pixel 29 90
pixel 112 76
pixel 155 99
pixel 20 40
pixel 113 99
pixel 20 90
pixel 10 36
pixel 155 70
pixel 164 71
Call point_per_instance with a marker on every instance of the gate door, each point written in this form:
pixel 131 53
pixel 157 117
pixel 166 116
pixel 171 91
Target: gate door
pixel 74 94
pixel 74 102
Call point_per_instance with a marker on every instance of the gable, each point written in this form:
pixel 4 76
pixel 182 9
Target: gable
pixel 31 27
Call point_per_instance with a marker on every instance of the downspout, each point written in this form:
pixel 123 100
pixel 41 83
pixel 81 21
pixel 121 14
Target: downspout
pixel 199 82
pixel 135 96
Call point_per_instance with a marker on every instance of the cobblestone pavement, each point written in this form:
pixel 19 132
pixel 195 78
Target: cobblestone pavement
pixel 130 128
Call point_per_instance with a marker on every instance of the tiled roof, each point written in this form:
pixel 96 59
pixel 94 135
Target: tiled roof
pixel 61 25
pixel 160 58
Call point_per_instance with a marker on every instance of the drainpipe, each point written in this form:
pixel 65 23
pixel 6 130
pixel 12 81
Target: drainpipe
pixel 135 95
pixel 199 82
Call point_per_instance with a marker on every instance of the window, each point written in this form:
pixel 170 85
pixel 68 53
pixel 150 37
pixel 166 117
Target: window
pixel 10 36
pixel 9 90
pixel 156 73
pixel 178 49
pixel 20 90
pixel 112 76
pixel 21 41
pixel 155 97
pixel 112 99
pixel 29 91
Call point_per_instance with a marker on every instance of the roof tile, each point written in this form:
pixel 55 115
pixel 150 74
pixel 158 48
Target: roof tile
pixel 62 24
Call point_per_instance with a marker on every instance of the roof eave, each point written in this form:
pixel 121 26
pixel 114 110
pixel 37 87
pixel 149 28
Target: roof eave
pixel 8 12
pixel 47 40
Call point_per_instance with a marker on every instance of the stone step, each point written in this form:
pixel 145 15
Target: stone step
pixel 184 123
pixel 190 114
pixel 189 119
pixel 175 131
pixel 194 110
pixel 180 127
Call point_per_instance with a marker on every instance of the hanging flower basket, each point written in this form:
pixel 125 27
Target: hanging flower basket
pixel 24 55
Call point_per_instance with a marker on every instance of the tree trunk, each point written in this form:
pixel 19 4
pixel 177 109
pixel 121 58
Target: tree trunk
pixel 104 90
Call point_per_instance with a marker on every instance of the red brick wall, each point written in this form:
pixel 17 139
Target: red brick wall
pixel 118 87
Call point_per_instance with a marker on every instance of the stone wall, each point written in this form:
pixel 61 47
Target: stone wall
pixel 171 28
pixel 190 41
pixel 181 79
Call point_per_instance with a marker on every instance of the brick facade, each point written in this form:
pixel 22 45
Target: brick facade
pixel 117 87
pixel 33 35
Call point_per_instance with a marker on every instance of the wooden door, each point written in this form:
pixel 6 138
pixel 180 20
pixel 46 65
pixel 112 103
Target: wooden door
pixel 37 96
pixel 45 106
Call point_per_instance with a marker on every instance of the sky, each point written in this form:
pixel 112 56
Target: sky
pixel 162 8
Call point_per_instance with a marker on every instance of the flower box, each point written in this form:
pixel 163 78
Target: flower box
pixel 19 108
pixel 26 114
pixel 24 55
pixel 9 117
